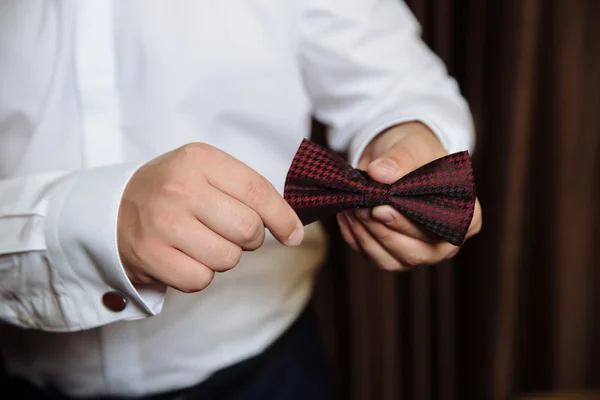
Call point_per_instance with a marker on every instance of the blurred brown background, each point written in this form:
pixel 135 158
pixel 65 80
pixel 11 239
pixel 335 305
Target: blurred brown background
pixel 517 312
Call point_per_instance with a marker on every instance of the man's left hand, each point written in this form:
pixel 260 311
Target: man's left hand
pixel 390 239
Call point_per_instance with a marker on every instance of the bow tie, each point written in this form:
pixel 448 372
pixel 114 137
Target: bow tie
pixel 439 196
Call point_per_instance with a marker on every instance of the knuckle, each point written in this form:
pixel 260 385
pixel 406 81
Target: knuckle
pixel 185 288
pixel 390 265
pixel 200 282
pixel 233 255
pixel 189 288
pixel 252 229
pixel 414 260
pixel 194 149
pixel 382 235
pixel 256 193
pixel 175 188
pixel 402 224
pixel 258 189
pixel 165 221
pixel 205 278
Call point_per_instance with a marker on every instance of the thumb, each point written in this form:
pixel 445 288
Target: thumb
pixel 392 165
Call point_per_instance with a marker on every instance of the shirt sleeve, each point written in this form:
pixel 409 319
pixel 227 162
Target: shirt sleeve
pixel 58 252
pixel 366 69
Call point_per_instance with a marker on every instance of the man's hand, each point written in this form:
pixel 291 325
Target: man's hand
pixel 390 239
pixel 190 212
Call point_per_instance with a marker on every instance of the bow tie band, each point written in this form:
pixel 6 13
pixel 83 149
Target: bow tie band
pixel 439 196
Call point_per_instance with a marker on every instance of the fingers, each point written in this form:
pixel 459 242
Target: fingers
pixel 371 247
pixel 395 221
pixel 391 250
pixel 203 245
pixel 346 231
pixel 253 190
pixel 191 212
pixel 410 251
pixel 230 218
pixel 177 270
pixel 383 233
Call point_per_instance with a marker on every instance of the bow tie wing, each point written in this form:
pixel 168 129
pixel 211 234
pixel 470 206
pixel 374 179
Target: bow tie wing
pixel 320 183
pixel 440 196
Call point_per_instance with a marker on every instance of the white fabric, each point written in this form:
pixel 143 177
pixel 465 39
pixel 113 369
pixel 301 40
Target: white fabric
pixel 90 90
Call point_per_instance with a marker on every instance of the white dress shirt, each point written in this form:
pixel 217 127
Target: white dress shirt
pixel 92 89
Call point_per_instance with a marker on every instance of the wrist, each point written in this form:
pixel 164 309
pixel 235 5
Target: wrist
pixel 407 130
pixel 416 135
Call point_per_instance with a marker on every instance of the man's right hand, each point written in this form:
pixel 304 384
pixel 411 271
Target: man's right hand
pixel 191 212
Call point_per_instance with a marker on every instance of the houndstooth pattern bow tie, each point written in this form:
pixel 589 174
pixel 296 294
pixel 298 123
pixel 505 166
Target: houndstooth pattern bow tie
pixel 439 196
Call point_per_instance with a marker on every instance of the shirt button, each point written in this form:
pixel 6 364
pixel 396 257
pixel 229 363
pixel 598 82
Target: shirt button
pixel 114 301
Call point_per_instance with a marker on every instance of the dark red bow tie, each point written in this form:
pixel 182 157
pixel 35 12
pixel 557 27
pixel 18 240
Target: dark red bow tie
pixel 440 196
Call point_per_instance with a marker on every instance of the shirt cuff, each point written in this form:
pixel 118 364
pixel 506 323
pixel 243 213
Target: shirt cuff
pixel 452 137
pixel 80 233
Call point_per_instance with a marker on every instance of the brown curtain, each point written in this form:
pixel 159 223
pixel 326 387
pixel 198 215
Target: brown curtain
pixel 518 310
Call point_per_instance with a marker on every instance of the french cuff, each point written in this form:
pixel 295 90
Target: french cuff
pixel 80 232
pixel 452 137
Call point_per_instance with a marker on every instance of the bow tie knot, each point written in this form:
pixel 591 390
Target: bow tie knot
pixel 440 196
pixel 373 193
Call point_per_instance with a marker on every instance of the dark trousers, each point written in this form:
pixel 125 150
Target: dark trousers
pixel 293 368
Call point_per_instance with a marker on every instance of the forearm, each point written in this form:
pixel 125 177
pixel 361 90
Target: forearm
pixel 428 142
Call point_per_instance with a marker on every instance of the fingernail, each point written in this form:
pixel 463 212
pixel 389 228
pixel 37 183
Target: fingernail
pixel 386 164
pixel 386 218
pixel 364 214
pixel 296 237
